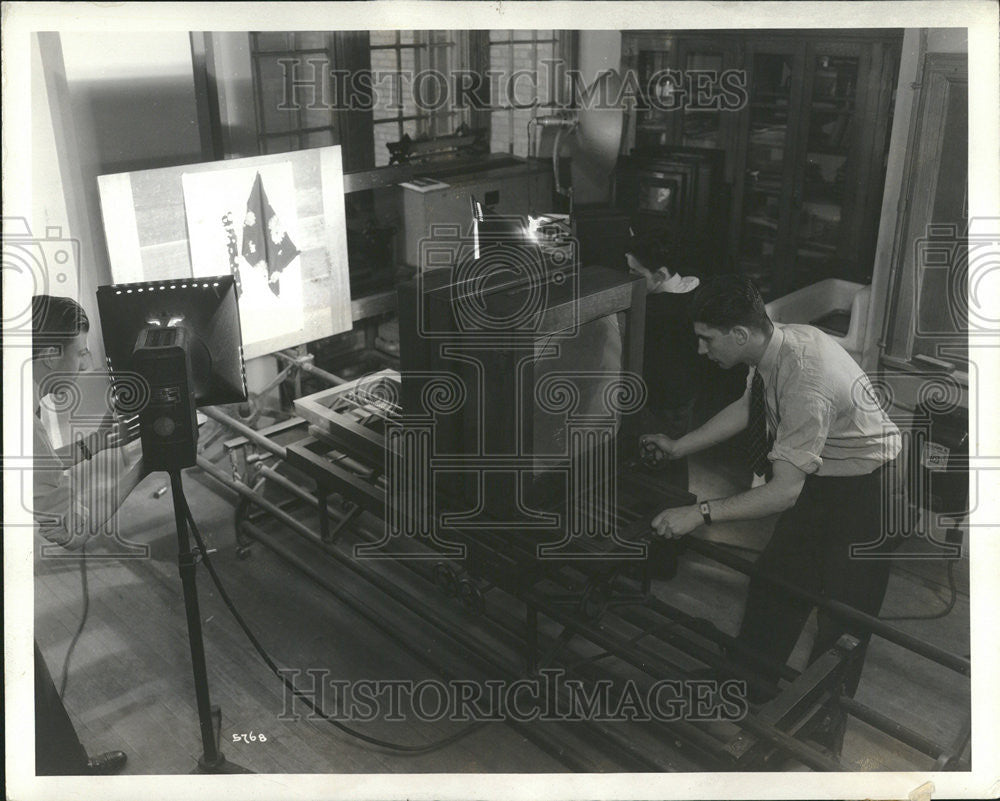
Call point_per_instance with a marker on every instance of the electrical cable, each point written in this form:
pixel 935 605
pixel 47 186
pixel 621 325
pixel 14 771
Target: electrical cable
pixel 934 615
pixel 131 424
pixel 83 621
pixel 411 750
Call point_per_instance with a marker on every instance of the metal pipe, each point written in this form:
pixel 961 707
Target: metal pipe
pixel 800 751
pixel 245 430
pixel 273 475
pixel 307 366
pixel 461 637
pixel 312 369
pixel 670 611
pixel 885 724
pixel 372 536
pixel 792 746
pixel 554 749
pixel 840 610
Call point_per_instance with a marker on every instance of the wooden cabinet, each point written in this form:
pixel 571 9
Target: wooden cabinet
pixel 803 119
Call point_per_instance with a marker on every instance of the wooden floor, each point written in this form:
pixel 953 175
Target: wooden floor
pixel 130 682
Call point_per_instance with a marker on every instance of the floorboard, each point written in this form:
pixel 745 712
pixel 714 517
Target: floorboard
pixel 131 686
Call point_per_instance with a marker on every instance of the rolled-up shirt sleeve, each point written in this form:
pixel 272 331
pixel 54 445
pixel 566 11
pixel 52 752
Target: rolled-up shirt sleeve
pixel 806 414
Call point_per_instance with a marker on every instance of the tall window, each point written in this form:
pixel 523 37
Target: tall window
pixel 415 92
pixel 410 99
pixel 522 76
pixel 283 125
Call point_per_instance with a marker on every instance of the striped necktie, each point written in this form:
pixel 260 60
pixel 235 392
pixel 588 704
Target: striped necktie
pixel 758 443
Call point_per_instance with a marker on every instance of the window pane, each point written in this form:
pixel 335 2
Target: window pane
pixel 384 61
pixel 315 118
pixel 407 60
pixel 520 132
pixel 500 131
pixel 319 139
pixel 384 133
pixel 546 52
pixel 499 36
pixel 382 37
pixel 524 87
pixel 272 87
pixel 500 57
pixel 271 41
pixel 307 40
pixel 280 144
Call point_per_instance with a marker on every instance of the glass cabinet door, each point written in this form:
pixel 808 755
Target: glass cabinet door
pixel 768 168
pixel 656 118
pixel 820 201
pixel 701 125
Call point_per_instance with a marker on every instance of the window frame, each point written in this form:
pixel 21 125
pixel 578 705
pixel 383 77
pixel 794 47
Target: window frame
pixel 558 40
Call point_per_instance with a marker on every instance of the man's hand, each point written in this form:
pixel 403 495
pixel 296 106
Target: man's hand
pixel 114 432
pixel 654 448
pixel 673 523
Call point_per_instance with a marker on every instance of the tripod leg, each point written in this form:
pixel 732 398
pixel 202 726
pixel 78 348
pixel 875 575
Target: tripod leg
pixel 212 756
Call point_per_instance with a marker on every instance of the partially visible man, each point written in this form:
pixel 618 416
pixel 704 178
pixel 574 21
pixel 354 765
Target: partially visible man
pixel 63 516
pixel 815 424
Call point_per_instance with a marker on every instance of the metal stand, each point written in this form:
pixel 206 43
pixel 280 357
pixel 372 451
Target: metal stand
pixel 210 717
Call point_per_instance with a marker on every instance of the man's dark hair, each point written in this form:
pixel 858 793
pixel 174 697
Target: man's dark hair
pixel 55 321
pixel 724 301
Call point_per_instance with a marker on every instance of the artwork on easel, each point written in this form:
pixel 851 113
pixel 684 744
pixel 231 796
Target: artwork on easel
pixel 276 222
pixel 246 219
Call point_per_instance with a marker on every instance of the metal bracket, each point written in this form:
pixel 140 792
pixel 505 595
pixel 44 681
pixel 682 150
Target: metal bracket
pixel 799 701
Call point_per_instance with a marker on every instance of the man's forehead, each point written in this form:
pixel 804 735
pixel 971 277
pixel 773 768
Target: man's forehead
pixel 703 330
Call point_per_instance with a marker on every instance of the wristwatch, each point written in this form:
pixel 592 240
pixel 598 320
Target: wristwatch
pixel 706 512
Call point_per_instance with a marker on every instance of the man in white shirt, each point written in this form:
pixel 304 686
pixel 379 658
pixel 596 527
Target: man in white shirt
pixel 821 432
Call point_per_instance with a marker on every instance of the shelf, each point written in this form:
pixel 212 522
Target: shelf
pixel 764 222
pixel 816 250
pixel 764 189
pixel 832 106
pixel 829 151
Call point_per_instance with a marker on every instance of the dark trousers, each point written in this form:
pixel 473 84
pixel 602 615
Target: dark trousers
pixel 811 548
pixel 58 751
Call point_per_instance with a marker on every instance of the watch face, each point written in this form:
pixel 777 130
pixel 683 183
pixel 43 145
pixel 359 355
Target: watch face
pixel 704 507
